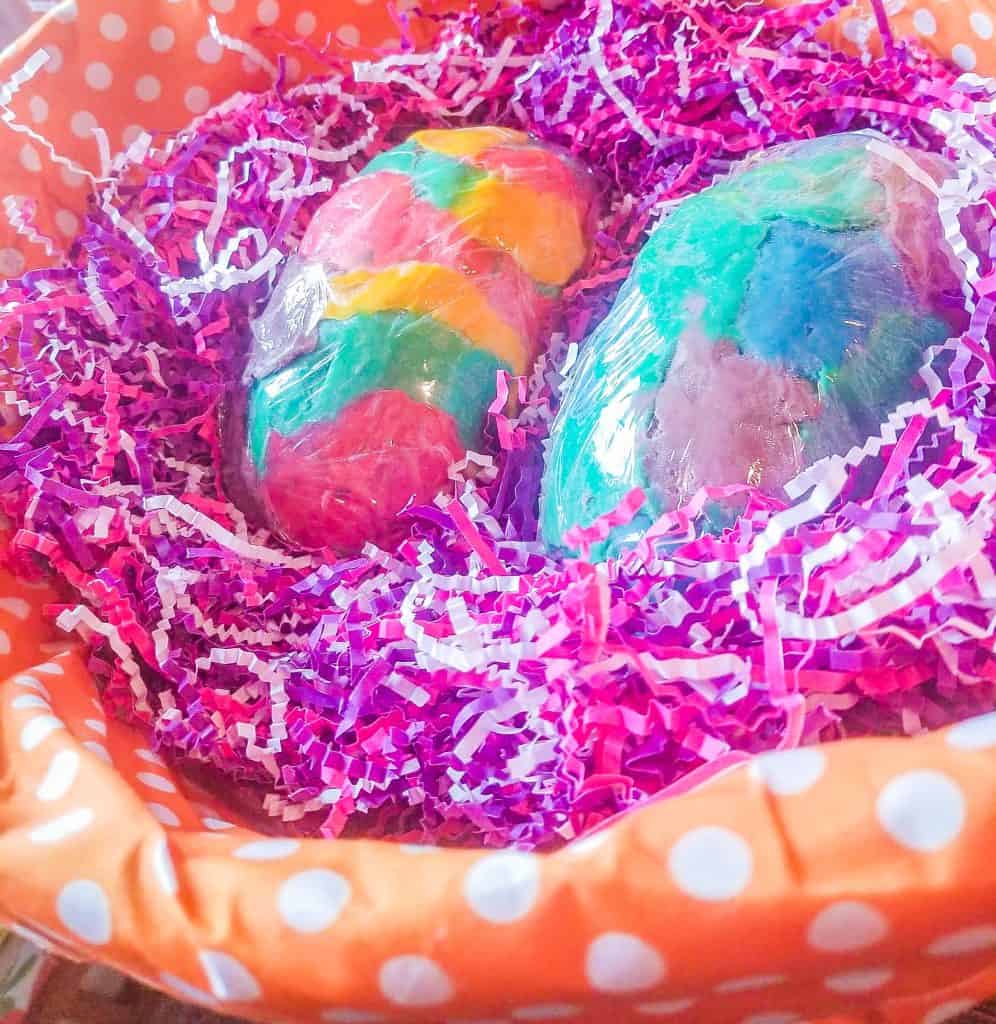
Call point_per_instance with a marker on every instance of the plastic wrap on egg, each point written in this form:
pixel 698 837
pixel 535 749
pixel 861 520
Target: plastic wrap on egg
pixel 421 280
pixel 770 320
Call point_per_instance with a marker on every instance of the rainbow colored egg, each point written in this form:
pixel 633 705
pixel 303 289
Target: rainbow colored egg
pixel 770 320
pixel 423 278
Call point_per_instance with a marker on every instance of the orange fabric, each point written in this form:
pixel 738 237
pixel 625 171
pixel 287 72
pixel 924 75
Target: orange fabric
pixel 960 31
pixel 846 884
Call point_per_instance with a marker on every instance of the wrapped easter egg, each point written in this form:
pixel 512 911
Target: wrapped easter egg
pixel 770 320
pixel 375 362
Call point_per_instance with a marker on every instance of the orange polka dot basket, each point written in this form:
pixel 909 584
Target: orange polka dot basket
pixel 852 882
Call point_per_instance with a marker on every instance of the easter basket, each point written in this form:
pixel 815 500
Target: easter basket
pixel 842 883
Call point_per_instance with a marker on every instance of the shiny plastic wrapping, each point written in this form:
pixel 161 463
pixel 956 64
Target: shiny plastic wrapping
pixel 375 363
pixel 775 318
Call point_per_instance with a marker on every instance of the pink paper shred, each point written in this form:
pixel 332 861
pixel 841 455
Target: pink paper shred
pixel 471 687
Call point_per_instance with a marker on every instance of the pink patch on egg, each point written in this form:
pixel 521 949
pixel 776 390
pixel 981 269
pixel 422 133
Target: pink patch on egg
pixel 722 418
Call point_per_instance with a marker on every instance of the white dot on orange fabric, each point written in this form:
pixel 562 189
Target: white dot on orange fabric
pixel 964 56
pixel 98 76
pixel 750 983
pixel 163 814
pixel 414 981
pixel 268 11
pixel 229 980
pixel 71 178
pixel 67 222
pixel 268 849
pixel 55 58
pixel 348 35
pixel 36 731
pixel 30 700
pixel 154 781
pixel 59 776
pixel 162 39
pixel 846 926
pixel 148 88
pixel 162 866
pixel 223 6
pixel 982 24
pixel 344 1015
pixel 113 27
pixel 947 1011
pixel 11 262
pixel 147 755
pixel 924 21
pixel 619 963
pixel 503 887
pixel 67 12
pixel 216 824
pixel 98 749
pixel 30 683
pixel 83 909
pixel 131 133
pixel 4 642
pixel 788 772
pixel 197 99
pixel 305 23
pixel 964 942
pixel 30 160
pixel 50 669
pixel 185 990
pixel 38 108
pixel 82 124
pixel 99 727
pixel 209 50
pixel 857 30
pixel 866 979
pixel 711 863
pixel 17 606
pixel 977 733
pixel 665 1007
pixel 546 1011
pixel 921 810
pixel 311 901
pixel 63 827
pixel 293 66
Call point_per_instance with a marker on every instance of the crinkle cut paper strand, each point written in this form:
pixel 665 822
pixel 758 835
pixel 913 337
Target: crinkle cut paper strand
pixel 470 687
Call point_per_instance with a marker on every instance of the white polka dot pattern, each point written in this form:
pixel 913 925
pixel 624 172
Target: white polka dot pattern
pixel 113 27
pixel 977 939
pixel 866 979
pixel 947 1011
pixel 59 777
pixel 665 1007
pixel 922 810
pixel 790 772
pixel 503 887
pixel 229 979
pixel 310 902
pixel 618 964
pixel 268 849
pixel 84 910
pixel 847 926
pixel 415 981
pixel 98 76
pixel 63 827
pixel 711 863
